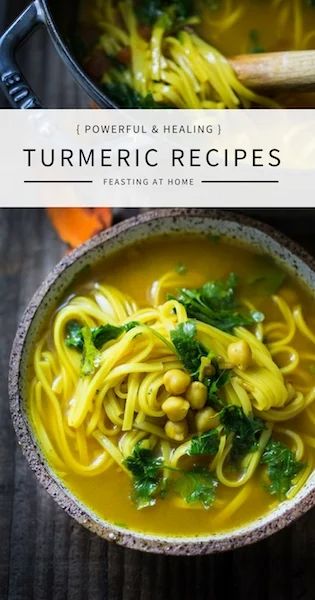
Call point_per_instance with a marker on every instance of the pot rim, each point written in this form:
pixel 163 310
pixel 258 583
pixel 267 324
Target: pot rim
pixel 71 61
pixel 134 539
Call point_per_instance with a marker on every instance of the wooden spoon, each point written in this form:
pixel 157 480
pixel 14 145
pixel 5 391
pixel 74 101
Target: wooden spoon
pixel 276 70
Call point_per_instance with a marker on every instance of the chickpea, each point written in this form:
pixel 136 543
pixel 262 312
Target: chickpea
pixel 196 395
pixel 239 354
pixel 206 419
pixel 176 431
pixel 176 408
pixel 176 381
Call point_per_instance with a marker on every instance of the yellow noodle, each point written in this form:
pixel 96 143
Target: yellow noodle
pixel 181 69
pixel 85 424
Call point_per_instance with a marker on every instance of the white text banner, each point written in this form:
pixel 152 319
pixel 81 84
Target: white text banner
pixel 157 158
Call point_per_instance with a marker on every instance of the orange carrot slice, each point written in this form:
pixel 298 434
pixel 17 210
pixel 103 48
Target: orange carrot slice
pixel 76 225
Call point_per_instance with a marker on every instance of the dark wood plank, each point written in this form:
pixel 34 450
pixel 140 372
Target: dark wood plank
pixel 44 555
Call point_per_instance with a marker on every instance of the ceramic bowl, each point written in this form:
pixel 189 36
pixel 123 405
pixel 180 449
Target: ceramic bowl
pixel 261 239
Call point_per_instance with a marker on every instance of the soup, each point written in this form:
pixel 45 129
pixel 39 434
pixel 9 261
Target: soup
pixel 172 392
pixel 172 54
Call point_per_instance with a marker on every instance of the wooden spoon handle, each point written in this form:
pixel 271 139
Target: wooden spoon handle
pixel 276 70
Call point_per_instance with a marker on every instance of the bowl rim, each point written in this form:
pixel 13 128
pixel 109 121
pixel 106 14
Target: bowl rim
pixel 156 543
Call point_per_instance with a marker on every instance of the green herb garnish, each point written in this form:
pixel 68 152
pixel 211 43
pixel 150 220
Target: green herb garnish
pixel 125 96
pixel 90 354
pixel 282 467
pixel 90 340
pixel 215 303
pixel 204 444
pixel 197 486
pixel 245 430
pixel 150 11
pixel 74 337
pixel 146 470
pixel 194 486
pixel 188 348
pixel 214 384
pixel 105 333
pixel 191 351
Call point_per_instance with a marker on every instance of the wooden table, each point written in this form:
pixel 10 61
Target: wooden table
pixel 46 556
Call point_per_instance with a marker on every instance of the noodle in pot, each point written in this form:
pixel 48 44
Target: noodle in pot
pixel 174 53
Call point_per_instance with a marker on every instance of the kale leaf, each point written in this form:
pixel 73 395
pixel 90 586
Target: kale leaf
pixel 189 350
pixel 245 430
pixel 204 444
pixel 146 471
pixel 215 303
pixel 282 467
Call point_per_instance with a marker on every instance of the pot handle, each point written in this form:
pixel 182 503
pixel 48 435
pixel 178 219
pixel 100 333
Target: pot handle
pixel 12 81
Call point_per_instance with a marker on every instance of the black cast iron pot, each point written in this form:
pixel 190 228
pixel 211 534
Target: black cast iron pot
pixel 59 17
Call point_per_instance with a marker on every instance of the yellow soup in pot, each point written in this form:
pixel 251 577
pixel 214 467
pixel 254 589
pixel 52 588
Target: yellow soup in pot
pixel 173 53
pixel 172 392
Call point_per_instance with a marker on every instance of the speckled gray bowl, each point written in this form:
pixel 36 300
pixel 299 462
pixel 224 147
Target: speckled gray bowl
pixel 261 239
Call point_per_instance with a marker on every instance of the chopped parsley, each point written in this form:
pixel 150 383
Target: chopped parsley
pixel 74 337
pixel 214 383
pixel 147 475
pixel 197 486
pixel 90 340
pixel 205 443
pixel 90 354
pixel 245 430
pixel 282 467
pixel 125 96
pixel 150 11
pixel 215 303
pixel 194 357
pixel 188 348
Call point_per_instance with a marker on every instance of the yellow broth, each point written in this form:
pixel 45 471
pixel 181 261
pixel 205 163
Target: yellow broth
pixel 262 26
pixel 133 270
pixel 268 26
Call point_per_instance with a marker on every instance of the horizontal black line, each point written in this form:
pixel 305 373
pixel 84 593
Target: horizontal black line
pixel 58 181
pixel 239 181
